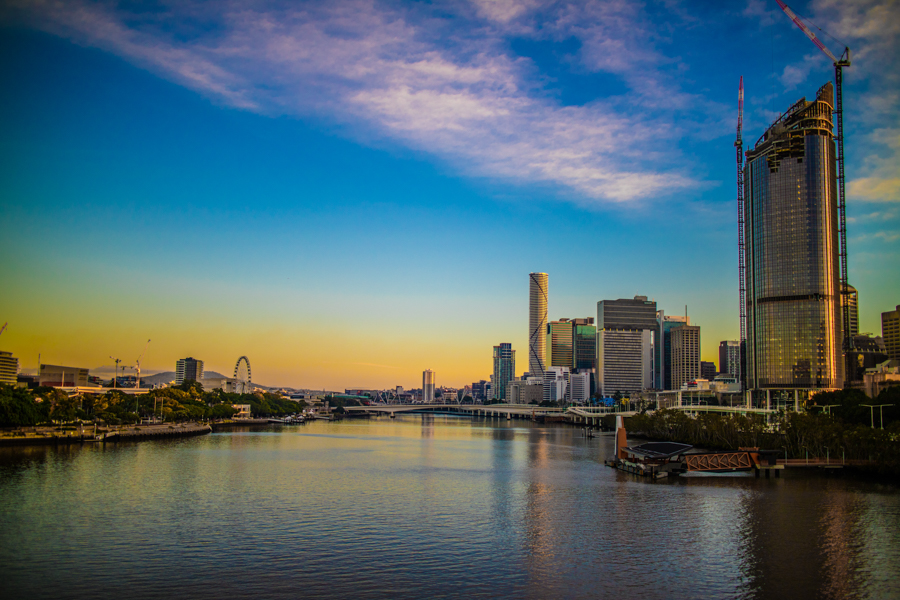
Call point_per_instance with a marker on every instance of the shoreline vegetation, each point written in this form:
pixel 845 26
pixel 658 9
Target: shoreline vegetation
pixel 48 415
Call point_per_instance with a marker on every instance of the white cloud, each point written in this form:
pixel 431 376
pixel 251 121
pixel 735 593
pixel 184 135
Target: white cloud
pixel 396 74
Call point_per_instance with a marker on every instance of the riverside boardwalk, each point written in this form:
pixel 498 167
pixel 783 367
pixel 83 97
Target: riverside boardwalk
pixel 88 433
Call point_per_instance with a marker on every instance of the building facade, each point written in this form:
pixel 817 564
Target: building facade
pixel 663 349
pixel 730 358
pixel 9 368
pixel 685 355
pixel 794 330
pixel 556 384
pixel 428 386
pixel 585 344
pixel 188 369
pixel 890 333
pixel 537 322
pixel 62 376
pixel 504 369
pixel 560 344
pixel 626 340
pixel 852 298
pixel 708 370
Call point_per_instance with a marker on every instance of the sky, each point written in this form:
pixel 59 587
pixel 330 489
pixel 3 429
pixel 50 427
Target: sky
pixel 350 192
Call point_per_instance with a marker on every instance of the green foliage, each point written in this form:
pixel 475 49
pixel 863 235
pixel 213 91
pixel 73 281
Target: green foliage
pixel 19 409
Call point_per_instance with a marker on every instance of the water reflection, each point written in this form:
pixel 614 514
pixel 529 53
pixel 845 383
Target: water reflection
pixel 425 506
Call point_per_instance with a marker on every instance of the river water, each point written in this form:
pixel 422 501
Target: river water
pixel 425 507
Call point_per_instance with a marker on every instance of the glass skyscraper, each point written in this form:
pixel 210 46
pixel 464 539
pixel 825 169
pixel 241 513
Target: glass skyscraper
pixel 794 331
pixel 504 369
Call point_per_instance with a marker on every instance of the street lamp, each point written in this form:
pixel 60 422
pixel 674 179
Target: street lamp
pixel 880 408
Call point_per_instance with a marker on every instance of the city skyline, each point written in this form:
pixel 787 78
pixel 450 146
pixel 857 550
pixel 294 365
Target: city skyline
pixel 328 196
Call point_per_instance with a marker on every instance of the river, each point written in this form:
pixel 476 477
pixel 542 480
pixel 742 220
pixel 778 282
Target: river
pixel 425 507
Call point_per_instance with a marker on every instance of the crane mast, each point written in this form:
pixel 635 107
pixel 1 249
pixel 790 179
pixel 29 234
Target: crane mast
pixel 839 64
pixel 742 276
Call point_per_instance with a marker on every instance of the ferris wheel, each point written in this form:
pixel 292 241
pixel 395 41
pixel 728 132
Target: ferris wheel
pixel 242 376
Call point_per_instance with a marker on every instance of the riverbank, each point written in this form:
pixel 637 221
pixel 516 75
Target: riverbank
pixel 79 434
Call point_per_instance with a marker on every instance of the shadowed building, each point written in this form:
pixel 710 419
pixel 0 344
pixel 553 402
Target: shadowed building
pixel 890 332
pixel 188 369
pixel 685 355
pixel 9 368
pixel 794 331
pixel 730 358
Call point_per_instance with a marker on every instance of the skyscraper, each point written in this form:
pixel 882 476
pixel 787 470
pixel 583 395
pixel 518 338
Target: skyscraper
pixel 188 369
pixel 560 344
pixel 890 332
pixel 730 358
pixel 794 330
pixel 662 351
pixel 626 334
pixel 685 355
pixel 585 344
pixel 504 369
pixel 537 322
pixel 427 386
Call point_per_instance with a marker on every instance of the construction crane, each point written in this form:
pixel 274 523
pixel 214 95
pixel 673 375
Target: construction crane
pixel 839 64
pixel 2 329
pixel 742 277
pixel 138 361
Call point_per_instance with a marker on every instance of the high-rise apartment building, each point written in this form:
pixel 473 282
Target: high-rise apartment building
pixel 685 355
pixel 662 355
pixel 794 329
pixel 730 358
pixel 9 368
pixel 428 386
pixel 504 369
pixel 626 337
pixel 188 369
pixel 852 298
pixel 890 333
pixel 537 323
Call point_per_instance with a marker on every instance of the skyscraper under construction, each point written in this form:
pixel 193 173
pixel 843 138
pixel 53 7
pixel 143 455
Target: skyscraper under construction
pixel 794 330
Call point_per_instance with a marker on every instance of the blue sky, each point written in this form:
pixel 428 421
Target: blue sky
pixel 352 192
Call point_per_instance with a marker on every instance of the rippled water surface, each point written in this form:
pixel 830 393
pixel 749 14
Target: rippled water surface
pixel 423 507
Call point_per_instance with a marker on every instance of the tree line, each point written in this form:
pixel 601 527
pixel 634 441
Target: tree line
pixel 21 407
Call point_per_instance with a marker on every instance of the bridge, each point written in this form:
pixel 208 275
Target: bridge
pixel 505 411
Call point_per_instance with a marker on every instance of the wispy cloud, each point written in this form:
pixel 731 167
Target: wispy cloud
pixel 406 74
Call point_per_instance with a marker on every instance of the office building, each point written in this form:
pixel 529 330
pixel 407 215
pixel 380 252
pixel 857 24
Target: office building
pixel 794 329
pixel 685 355
pixel 852 298
pixel 525 391
pixel 478 390
pixel 579 387
pixel 585 343
pixel 560 344
pixel 188 369
pixel 61 376
pixel 556 384
pixel 890 333
pixel 626 338
pixel 730 358
pixel 428 386
pixel 537 323
pixel 663 350
pixel 9 368
pixel 708 370
pixel 504 369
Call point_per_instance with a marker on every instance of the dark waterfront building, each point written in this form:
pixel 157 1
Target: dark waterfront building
pixel 504 369
pixel 868 352
pixel 730 358
pixel 890 332
pixel 707 370
pixel 852 298
pixel 188 369
pixel 794 331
